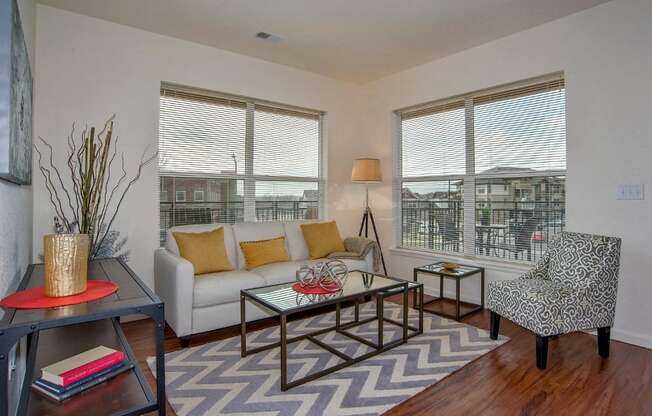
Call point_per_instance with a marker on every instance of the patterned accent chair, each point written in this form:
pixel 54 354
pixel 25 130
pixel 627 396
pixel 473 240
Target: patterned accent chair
pixel 571 288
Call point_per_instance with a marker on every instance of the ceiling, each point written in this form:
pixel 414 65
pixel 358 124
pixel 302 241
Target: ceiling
pixel 352 40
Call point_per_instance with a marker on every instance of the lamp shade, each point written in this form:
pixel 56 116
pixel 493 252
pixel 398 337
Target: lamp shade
pixel 366 170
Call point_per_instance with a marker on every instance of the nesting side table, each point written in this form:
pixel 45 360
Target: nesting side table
pixel 462 272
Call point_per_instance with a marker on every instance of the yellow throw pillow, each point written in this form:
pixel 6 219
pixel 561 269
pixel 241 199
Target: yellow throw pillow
pixel 258 253
pixel 206 251
pixel 323 238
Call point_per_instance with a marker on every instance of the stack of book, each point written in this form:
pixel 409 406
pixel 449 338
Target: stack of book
pixel 80 372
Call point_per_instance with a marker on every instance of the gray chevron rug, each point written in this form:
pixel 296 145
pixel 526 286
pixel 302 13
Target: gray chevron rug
pixel 213 379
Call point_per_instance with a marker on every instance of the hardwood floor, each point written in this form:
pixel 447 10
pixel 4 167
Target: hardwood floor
pixel 505 381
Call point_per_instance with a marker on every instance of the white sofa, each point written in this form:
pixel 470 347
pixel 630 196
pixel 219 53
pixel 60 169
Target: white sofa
pixel 212 301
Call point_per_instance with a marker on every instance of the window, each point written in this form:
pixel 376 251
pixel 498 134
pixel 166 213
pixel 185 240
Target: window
pixel 245 159
pixel 180 196
pixel 163 194
pixel 432 215
pixel 484 173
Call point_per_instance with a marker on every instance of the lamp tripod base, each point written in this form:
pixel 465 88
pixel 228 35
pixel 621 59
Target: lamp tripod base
pixel 364 227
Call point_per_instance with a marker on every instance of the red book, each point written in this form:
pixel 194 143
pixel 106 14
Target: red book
pixel 82 365
pixel 91 368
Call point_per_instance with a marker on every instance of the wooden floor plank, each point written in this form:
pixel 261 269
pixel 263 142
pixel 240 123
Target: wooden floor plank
pixel 505 381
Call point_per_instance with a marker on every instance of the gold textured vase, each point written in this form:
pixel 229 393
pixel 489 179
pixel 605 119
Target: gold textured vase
pixel 66 264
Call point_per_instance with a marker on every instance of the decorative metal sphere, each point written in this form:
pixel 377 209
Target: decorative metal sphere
pixel 329 275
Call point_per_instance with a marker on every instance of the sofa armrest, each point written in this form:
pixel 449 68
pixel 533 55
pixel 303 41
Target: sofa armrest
pixel 174 282
pixel 369 259
pixel 357 245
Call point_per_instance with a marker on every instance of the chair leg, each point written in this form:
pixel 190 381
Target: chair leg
pixel 184 341
pixel 542 352
pixel 494 325
pixel 604 334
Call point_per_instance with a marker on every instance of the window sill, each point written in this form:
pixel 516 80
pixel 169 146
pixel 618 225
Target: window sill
pixel 486 262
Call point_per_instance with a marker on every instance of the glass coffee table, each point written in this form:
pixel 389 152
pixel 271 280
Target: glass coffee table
pixel 283 300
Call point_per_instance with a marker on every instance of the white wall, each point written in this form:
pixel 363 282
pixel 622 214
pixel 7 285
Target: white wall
pixel 605 53
pixel 90 68
pixel 16 201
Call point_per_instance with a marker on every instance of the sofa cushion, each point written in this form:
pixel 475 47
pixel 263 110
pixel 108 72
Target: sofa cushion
pixel 224 287
pixel 279 272
pixel 548 308
pixel 229 243
pixel 322 238
pixel 205 251
pixel 251 231
pixel 261 252
pixel 297 247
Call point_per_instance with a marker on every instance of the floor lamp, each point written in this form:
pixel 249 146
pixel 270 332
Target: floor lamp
pixel 367 171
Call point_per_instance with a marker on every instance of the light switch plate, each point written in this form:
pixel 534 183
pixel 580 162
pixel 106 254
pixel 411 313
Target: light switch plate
pixel 630 192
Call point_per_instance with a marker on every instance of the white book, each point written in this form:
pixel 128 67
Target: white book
pixel 53 372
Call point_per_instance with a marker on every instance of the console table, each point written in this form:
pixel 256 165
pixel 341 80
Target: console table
pixel 57 333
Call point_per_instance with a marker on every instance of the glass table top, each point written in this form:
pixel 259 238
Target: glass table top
pixel 438 267
pixel 282 297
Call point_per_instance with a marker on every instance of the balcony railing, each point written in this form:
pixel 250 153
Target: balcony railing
pixel 506 229
pixel 185 213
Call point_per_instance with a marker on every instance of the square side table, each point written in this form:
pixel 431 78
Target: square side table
pixel 462 272
pixel 417 293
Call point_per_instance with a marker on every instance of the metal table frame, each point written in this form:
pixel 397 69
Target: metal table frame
pixel 11 333
pixel 341 328
pixel 458 278
pixel 418 294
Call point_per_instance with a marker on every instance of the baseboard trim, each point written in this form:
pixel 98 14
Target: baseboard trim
pixel 628 337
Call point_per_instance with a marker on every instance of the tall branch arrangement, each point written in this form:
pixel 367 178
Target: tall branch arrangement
pixel 89 200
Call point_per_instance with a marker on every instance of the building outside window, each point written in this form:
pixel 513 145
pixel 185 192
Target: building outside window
pixel 483 174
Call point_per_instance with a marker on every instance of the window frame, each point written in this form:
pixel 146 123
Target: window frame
pixel 469 178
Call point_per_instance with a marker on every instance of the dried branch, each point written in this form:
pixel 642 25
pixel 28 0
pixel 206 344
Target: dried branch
pixel 144 161
pixel 52 190
pixel 92 201
pixel 71 167
pixel 108 201
pixel 58 175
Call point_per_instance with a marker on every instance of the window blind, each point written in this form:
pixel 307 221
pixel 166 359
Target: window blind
pixel 433 141
pixel 286 143
pixel 484 173
pixel 200 135
pixel 228 159
pixel 521 130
